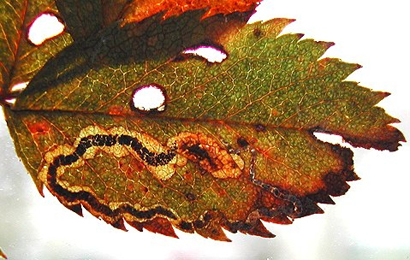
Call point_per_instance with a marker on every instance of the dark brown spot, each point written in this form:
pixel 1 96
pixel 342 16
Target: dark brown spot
pixel 257 33
pixel 186 226
pixel 207 217
pixel 190 196
pixel 242 142
pixel 260 128
pixel 200 154
pixel 199 224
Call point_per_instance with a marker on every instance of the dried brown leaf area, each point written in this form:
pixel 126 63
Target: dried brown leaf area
pixel 233 142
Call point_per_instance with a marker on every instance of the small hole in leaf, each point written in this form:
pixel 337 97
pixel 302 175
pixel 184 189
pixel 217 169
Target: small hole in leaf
pixel 149 98
pixel 211 54
pixel 331 138
pixel 10 101
pixel 44 27
pixel 19 87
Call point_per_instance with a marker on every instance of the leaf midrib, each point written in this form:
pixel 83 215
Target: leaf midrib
pixel 165 118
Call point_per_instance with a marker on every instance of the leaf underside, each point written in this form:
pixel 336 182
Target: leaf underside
pixel 235 142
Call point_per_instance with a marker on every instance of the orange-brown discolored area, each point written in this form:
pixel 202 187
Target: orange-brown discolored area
pixel 206 151
pixel 38 128
pixel 141 9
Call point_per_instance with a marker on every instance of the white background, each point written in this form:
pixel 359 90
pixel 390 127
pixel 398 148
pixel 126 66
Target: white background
pixel 370 222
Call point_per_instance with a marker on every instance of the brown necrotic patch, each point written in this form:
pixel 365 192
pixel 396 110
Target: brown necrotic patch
pixel 208 153
pixel 38 128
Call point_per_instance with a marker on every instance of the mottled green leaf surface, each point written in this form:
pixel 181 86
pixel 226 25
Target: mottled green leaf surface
pixel 235 142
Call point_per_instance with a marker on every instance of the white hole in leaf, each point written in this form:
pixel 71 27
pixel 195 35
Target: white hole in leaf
pixel 149 98
pixel 209 53
pixel 45 26
pixel 331 138
pixel 10 101
pixel 19 87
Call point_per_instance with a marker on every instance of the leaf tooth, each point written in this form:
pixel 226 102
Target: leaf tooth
pixel 274 216
pixel 299 35
pixel 210 227
pixel 214 232
pixel 258 229
pixel 75 208
pixel 376 97
pixel 326 45
pixel 137 225
pixel 286 21
pixel 309 207
pixel 119 224
pixel 255 227
pixel 321 197
pixel 278 219
pixel 161 226
pixel 276 25
pixel 351 176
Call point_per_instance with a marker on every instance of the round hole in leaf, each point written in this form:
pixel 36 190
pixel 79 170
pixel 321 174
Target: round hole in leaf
pixel 210 53
pixel 149 98
pixel 19 87
pixel 44 27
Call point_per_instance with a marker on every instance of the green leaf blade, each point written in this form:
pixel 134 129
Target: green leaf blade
pixel 276 81
pixel 234 145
